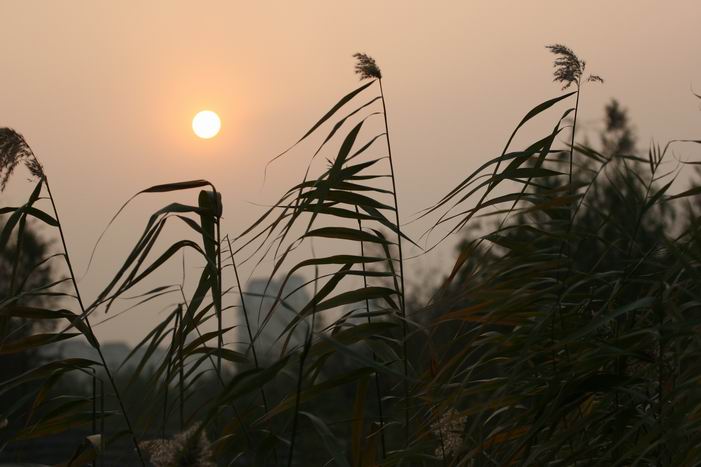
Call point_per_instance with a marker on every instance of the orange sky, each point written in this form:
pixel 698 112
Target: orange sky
pixel 105 91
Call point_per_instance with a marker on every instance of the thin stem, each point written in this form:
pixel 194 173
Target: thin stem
pixel 248 328
pixel 94 409
pixel 181 369
pixel 295 419
pixel 300 375
pixel 574 127
pixel 87 323
pixel 566 241
pixel 402 304
pixel 219 378
pixel 169 369
pixel 245 315
pixel 565 249
pixel 18 253
pixel 220 340
pixel 102 422
pixel 374 356
pixel 660 380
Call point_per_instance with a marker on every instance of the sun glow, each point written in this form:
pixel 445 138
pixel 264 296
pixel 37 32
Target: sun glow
pixel 206 124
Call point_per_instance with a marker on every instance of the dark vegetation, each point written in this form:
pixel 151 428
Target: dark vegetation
pixel 565 332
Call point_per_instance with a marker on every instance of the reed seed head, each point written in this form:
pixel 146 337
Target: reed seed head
pixel 569 68
pixel 13 150
pixel 191 448
pixel 449 429
pixel 366 67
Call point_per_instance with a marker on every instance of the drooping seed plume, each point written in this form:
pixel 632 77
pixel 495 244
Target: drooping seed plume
pixel 568 67
pixel 13 150
pixel 366 67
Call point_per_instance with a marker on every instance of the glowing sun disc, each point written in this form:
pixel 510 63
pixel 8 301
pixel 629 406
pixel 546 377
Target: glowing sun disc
pixel 206 124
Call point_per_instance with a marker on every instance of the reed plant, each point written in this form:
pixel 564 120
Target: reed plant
pixel 564 333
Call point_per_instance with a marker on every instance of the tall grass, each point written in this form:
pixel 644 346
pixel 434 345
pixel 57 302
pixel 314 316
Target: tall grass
pixel 564 333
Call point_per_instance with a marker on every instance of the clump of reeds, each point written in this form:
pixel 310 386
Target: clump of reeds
pixel 563 333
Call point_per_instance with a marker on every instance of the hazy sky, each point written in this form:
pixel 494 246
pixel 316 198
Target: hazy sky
pixel 105 91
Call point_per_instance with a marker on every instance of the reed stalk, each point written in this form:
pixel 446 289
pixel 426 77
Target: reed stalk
pixel 84 315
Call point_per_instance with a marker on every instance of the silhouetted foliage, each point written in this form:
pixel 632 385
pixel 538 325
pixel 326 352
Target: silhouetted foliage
pixel 564 333
pixel 22 270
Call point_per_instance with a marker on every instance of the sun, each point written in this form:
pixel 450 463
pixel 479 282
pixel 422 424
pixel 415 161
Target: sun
pixel 206 124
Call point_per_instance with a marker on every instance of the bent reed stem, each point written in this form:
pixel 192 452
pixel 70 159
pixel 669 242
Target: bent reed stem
pixel 87 322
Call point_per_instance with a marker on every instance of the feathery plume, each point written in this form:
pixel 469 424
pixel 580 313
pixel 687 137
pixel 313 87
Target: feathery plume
pixel 366 67
pixel 13 150
pixel 449 429
pixel 191 448
pixel 568 67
